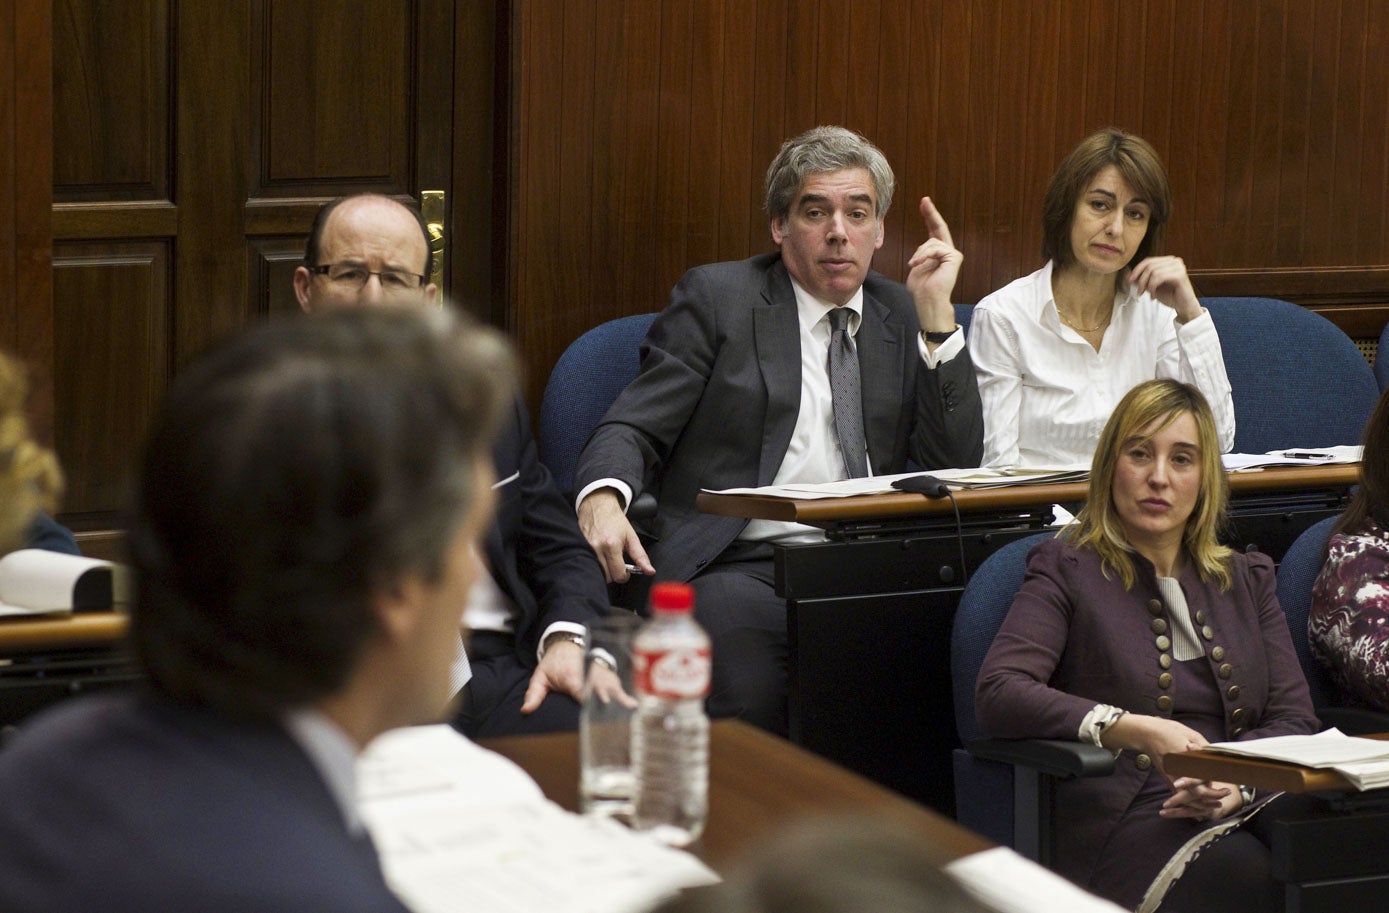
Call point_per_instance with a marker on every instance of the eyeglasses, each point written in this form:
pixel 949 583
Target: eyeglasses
pixel 356 276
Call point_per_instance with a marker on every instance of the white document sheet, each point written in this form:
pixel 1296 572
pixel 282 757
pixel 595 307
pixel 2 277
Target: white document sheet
pixel 460 828
pixel 1314 456
pixel 1325 749
pixel 1010 883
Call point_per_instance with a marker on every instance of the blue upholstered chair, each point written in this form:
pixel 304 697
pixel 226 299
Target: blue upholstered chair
pixel 1382 358
pixel 1003 786
pixel 583 384
pixel 964 313
pixel 1298 381
pixel 1296 574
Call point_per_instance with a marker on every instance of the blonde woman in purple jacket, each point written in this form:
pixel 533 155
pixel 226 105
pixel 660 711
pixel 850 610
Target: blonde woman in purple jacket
pixel 1137 631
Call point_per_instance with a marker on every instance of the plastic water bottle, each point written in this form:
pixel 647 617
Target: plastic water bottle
pixel 670 731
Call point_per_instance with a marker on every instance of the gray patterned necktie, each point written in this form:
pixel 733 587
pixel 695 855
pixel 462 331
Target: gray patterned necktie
pixel 846 394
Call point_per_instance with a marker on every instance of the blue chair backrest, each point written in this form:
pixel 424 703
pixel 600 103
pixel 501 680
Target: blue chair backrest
pixel 1296 574
pixel 1297 380
pixel 983 789
pixel 964 313
pixel 1382 358
pixel 983 606
pixel 583 384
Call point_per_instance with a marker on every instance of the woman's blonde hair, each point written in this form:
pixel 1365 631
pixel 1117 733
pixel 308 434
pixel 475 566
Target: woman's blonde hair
pixel 30 480
pixel 1142 413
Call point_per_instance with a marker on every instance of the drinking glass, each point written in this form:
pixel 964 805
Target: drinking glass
pixel 605 718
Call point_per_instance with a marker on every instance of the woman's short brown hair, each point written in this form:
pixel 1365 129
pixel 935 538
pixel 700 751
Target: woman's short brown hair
pixel 1141 167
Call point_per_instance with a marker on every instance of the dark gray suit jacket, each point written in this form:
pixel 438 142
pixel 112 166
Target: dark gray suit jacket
pixel 128 803
pixel 715 402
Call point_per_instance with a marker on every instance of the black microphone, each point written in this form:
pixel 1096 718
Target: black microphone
pixel 930 486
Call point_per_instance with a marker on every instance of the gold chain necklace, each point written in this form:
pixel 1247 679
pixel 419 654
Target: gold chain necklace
pixel 1077 327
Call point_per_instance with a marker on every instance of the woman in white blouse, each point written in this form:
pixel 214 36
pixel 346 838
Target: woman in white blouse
pixel 1055 351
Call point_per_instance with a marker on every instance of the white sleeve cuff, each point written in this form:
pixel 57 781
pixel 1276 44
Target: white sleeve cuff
pixel 945 351
pixel 567 627
pixel 1096 721
pixel 624 491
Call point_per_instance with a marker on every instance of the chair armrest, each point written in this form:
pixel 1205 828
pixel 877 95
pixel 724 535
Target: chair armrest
pixel 643 508
pixel 1354 720
pixel 1053 757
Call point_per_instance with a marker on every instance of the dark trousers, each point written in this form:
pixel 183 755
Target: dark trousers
pixel 1232 875
pixel 491 704
pixel 746 622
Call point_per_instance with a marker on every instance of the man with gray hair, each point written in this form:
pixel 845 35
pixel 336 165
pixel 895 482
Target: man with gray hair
pixel 802 365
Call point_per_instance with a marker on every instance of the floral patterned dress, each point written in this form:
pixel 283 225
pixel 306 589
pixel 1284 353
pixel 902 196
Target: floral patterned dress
pixel 1349 622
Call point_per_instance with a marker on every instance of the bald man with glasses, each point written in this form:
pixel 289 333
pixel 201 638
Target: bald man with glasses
pixel 527 616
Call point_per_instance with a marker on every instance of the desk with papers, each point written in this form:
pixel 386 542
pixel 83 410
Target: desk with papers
pixel 1330 850
pixel 759 784
pixel 869 610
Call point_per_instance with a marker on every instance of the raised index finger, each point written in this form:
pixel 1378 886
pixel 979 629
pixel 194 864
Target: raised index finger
pixel 935 224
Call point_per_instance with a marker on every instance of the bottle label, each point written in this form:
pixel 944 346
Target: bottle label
pixel 676 674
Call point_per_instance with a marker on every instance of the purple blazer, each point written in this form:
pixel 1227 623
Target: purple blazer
pixel 1073 639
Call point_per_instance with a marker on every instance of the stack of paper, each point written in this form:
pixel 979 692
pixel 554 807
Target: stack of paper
pixel 1312 456
pixel 1364 762
pixel 956 479
pixel 460 828
pixel 1007 476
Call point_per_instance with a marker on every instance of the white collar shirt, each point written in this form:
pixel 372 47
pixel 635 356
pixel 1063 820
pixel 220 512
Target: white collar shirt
pixel 333 754
pixel 813 453
pixel 1047 393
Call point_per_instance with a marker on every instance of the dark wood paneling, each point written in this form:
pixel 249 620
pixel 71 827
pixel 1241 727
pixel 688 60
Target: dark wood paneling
pixel 26 284
pixel 111 304
pixel 111 100
pixel 271 264
pixel 641 130
pixel 272 108
pixel 330 95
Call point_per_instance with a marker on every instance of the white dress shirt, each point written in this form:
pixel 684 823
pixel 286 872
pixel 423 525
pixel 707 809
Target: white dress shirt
pixel 1047 393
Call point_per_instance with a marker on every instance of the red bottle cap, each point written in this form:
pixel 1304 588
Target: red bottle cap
pixel 672 597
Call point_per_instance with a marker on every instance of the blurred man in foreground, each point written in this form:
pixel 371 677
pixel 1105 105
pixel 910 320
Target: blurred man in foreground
pixel 303 541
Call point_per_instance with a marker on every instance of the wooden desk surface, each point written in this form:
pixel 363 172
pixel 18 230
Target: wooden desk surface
pixel 54 632
pixel 1293 778
pixel 906 504
pixel 757 784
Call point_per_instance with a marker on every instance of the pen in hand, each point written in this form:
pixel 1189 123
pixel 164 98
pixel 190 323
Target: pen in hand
pixel 634 570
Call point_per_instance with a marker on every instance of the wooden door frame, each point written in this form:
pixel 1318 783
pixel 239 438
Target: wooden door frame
pixel 26 198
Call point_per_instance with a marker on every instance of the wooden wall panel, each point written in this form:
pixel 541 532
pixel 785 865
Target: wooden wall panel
pixel 111 307
pixel 111 101
pixel 26 170
pixel 313 83
pixel 641 130
pixel 114 221
pixel 213 132
pixel 270 264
